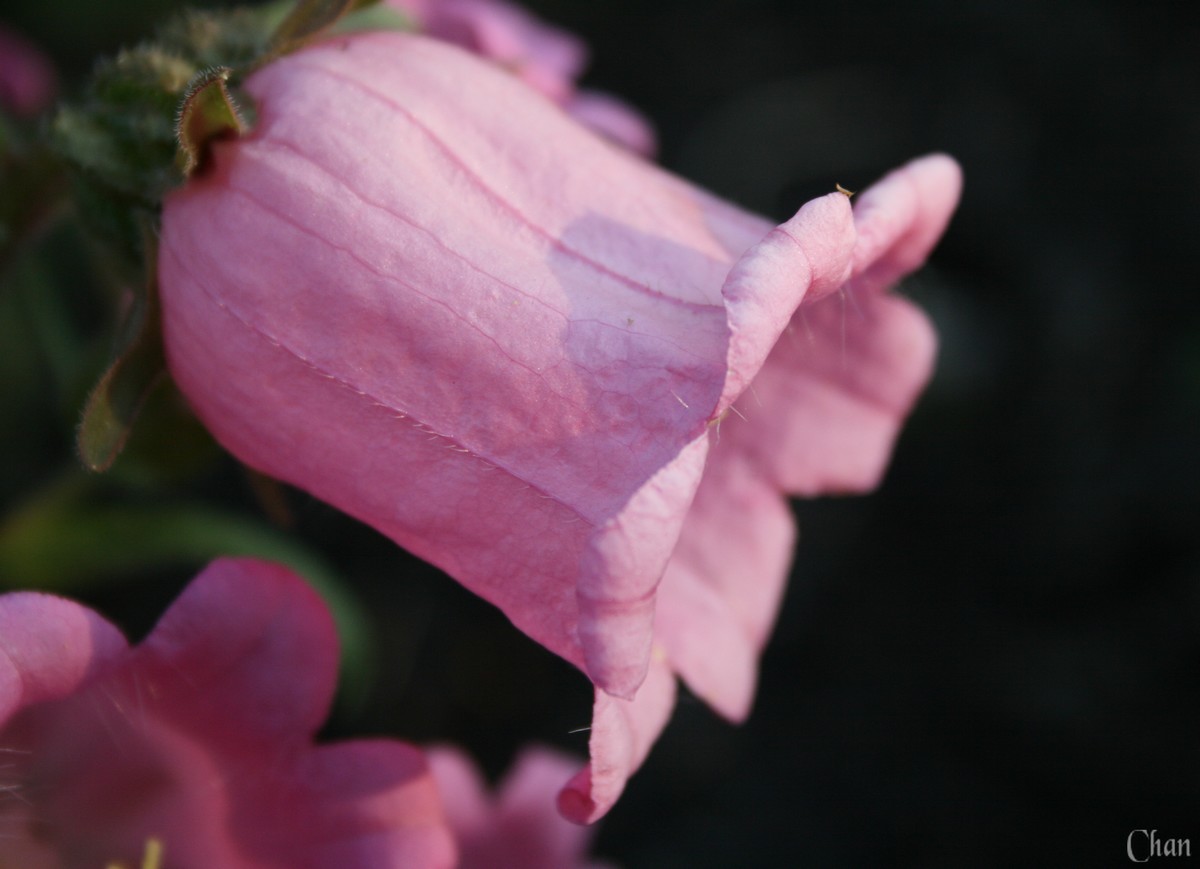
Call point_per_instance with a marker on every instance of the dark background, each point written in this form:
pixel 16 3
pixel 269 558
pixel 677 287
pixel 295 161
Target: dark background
pixel 992 660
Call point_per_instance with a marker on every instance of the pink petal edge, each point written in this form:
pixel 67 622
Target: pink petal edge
pixel 622 733
pixel 49 647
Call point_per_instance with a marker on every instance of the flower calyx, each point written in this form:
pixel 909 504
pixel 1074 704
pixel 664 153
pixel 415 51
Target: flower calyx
pixel 208 113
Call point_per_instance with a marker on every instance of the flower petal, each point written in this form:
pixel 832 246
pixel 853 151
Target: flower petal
pixel 278 645
pixel 519 826
pixel 48 648
pixel 464 794
pixel 808 256
pixel 900 218
pixel 621 570
pixel 361 803
pixel 622 733
pixel 828 402
pixel 546 58
pixel 722 589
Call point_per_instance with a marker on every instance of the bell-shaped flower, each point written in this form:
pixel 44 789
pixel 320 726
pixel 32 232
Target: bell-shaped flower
pixel 425 295
pixel 517 825
pixel 194 748
pixel 546 58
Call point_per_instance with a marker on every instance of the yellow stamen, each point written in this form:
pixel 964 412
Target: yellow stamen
pixel 151 857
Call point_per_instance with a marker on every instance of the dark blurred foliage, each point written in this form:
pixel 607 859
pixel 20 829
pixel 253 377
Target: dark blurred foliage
pixel 994 659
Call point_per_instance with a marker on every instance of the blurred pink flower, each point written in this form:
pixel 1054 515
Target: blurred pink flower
pixel 518 825
pixel 27 81
pixel 199 737
pixel 544 57
pixel 613 119
pixel 421 293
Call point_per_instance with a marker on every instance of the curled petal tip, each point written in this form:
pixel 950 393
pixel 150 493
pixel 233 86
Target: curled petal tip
pixel 938 161
pixel 901 217
pixel 574 804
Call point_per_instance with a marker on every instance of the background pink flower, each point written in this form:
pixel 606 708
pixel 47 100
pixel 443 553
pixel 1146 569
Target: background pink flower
pixel 199 737
pixel 27 80
pixel 546 58
pixel 517 825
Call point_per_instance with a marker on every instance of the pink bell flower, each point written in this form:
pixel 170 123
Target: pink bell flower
pixel 422 293
pixel 546 58
pixel 198 740
pixel 516 826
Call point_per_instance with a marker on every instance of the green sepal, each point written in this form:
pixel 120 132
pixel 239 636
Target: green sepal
pixel 208 113
pixel 120 137
pixel 138 367
pixel 143 126
pixel 307 20
pixel 375 18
